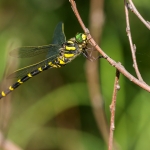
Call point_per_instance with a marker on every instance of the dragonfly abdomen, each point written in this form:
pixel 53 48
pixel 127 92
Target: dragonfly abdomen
pixel 25 78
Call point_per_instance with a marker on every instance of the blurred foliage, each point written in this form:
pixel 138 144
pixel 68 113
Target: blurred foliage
pixel 53 110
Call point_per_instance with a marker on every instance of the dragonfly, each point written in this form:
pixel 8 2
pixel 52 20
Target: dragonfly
pixel 59 53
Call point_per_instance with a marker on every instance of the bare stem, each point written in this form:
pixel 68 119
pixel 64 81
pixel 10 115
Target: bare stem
pixel 132 46
pixel 135 11
pixel 112 110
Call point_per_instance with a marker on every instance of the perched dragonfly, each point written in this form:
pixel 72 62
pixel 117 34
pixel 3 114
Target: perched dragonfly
pixel 59 53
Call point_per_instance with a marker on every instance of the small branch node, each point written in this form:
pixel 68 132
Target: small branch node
pixel 127 29
pixel 148 22
pixel 118 87
pixel 113 127
pixel 110 108
pixel 131 79
pixel 133 66
pixel 72 8
pixel 113 65
pixel 134 47
pixel 130 6
pixel 119 63
pixel 87 31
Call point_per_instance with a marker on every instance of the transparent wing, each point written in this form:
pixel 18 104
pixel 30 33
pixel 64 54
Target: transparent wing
pixel 30 51
pixel 58 37
pixel 24 71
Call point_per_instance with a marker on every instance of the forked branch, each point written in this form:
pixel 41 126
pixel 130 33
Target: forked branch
pixel 132 46
pixel 118 66
pixel 132 7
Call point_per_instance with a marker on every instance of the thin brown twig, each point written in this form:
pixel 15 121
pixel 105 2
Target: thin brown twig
pixel 118 66
pixel 135 11
pixel 132 46
pixel 112 109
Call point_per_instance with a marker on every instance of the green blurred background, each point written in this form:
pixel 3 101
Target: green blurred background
pixel 52 111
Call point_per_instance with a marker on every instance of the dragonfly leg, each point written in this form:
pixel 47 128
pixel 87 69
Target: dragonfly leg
pixel 90 57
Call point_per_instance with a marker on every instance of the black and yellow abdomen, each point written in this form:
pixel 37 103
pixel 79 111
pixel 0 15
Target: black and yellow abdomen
pixel 19 82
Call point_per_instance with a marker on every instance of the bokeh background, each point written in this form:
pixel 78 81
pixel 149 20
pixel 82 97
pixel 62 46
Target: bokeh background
pixel 52 111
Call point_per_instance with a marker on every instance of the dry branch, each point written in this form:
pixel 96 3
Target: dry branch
pixel 118 66
pixel 132 46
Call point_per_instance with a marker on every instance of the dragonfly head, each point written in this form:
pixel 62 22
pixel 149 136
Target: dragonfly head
pixel 81 38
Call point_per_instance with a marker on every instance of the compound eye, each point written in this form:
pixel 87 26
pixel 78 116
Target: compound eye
pixel 80 37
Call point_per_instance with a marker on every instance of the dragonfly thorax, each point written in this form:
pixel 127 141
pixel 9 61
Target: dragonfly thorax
pixel 72 48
